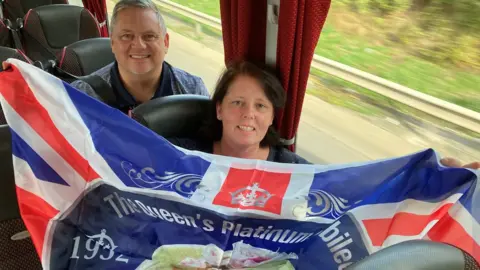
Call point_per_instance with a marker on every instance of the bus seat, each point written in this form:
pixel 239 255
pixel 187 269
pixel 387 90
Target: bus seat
pixel 418 254
pixel 6 39
pixel 85 56
pixel 6 53
pixel 48 29
pixel 174 116
pixel 16 247
pixel 13 9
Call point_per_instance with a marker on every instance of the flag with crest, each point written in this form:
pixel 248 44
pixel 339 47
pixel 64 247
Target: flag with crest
pixel 98 190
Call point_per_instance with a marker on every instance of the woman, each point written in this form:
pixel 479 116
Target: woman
pixel 242 119
pixel 241 125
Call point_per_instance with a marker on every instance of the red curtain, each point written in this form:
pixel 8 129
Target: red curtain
pixel 244 29
pixel 99 10
pixel 300 24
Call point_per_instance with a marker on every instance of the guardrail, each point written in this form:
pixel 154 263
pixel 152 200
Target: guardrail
pixel 444 110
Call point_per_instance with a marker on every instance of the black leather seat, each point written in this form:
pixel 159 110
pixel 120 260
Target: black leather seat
pixel 13 9
pixel 6 53
pixel 418 254
pixel 48 29
pixel 86 56
pixel 6 38
pixel 174 116
pixel 16 247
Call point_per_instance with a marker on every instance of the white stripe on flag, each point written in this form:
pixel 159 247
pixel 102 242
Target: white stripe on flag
pixel 58 196
pixel 395 239
pixel 43 149
pixel 295 202
pixel 211 184
pixel 466 220
pixel 411 206
pixel 52 95
pixel 388 210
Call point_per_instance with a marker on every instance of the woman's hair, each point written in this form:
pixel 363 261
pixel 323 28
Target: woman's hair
pixel 269 83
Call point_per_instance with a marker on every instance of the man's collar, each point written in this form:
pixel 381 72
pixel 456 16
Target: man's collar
pixel 125 99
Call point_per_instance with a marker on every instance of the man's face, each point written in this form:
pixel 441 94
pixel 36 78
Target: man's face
pixel 138 42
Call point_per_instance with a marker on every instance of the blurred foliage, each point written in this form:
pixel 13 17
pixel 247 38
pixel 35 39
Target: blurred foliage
pixel 442 31
pixel 431 46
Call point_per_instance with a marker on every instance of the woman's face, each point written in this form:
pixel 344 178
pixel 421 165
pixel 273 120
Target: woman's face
pixel 245 112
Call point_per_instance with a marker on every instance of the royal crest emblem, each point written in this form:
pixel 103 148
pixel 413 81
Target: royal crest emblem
pixel 251 196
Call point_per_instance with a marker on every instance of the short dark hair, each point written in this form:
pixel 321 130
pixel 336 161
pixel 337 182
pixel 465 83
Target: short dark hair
pixel 145 4
pixel 269 82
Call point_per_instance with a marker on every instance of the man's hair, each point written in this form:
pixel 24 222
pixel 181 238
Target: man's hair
pixel 148 4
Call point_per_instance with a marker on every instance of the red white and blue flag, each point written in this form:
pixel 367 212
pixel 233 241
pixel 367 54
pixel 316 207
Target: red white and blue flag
pixel 98 190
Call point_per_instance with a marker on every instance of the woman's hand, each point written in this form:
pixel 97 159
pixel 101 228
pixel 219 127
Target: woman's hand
pixel 452 162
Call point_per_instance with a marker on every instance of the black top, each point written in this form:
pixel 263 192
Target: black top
pixel 277 153
pixel 125 100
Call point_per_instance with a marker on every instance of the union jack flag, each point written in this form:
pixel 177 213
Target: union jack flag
pixel 66 144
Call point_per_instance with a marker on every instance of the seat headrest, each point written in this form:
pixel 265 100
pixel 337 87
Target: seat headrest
pixel 86 56
pixel 8 199
pixel 60 25
pixel 174 116
pixel 18 8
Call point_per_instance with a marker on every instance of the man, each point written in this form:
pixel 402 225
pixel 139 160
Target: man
pixel 140 41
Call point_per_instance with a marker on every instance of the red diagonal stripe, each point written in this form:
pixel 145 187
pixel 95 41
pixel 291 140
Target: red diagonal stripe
pixel 36 213
pixel 448 230
pixel 403 224
pixel 18 94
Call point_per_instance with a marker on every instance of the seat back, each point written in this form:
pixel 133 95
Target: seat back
pixel 6 39
pixel 418 254
pixel 13 9
pixel 48 29
pixel 6 53
pixel 174 116
pixel 16 247
pixel 86 56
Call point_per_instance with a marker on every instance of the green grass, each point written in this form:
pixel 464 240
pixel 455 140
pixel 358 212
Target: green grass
pixel 339 92
pixel 210 7
pixel 356 98
pixel 452 85
pixel 447 83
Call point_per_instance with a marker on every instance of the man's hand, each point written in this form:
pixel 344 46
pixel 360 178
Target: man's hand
pixel 451 162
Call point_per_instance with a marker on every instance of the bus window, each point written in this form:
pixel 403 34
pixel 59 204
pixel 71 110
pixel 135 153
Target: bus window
pixel 76 2
pixel 341 121
pixel 408 43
